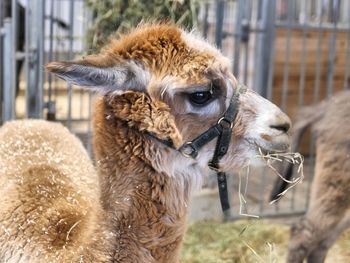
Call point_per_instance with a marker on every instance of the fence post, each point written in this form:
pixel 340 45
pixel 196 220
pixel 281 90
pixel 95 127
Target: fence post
pixel 220 7
pixel 1 59
pixel 264 46
pixel 34 50
pixel 8 105
pixel 237 38
pixel 70 56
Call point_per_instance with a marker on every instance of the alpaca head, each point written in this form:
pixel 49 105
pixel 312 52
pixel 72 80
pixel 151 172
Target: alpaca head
pixel 174 85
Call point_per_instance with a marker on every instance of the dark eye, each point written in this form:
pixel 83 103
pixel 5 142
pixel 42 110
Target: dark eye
pixel 200 98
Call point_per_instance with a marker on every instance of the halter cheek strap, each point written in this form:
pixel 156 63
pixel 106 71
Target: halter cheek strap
pixel 223 130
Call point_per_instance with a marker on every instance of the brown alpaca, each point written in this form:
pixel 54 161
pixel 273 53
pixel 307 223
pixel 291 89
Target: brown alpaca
pixel 49 196
pixel 329 210
pixel 158 84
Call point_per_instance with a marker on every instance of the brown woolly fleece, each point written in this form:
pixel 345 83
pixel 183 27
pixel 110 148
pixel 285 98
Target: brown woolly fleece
pixel 148 210
pixel 53 210
pixel 50 209
pixel 329 211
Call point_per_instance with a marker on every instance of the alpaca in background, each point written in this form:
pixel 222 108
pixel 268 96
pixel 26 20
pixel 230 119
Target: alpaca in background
pixel 328 214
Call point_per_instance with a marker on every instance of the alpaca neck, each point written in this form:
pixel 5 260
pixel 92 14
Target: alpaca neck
pixel 147 209
pixel 126 172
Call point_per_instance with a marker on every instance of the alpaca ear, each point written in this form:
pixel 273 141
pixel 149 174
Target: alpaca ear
pixel 93 72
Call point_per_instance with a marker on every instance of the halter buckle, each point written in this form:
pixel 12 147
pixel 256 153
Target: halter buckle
pixel 225 123
pixel 213 166
pixel 188 150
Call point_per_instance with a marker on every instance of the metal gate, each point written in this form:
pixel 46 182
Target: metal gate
pixel 34 32
pixel 293 52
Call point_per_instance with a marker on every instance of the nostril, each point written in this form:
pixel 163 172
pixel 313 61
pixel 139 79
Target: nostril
pixel 284 127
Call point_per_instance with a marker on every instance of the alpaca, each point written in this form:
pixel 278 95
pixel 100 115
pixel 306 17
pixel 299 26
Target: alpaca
pixel 160 88
pixel 328 214
pixel 48 191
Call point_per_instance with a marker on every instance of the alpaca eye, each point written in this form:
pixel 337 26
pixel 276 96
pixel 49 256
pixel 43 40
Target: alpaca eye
pixel 200 98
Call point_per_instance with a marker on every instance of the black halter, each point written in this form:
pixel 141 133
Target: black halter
pixel 223 130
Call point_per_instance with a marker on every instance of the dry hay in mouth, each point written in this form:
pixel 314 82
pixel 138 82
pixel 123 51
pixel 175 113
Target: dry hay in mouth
pixel 269 158
pixel 290 157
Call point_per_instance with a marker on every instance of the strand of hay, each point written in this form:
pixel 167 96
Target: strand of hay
pixel 241 197
pixel 269 158
pixel 293 158
pixel 254 252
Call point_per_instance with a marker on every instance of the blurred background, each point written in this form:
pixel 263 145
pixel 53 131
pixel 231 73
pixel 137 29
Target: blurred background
pixel 293 52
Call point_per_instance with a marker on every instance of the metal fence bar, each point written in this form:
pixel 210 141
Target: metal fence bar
pixel 34 58
pixel 70 56
pixel 271 66
pixel 14 35
pixel 246 62
pixel 286 59
pixel 220 8
pixel 331 54
pixel 262 190
pixel 82 92
pixel 237 41
pixel 51 109
pixel 9 61
pixel 26 48
pixel 347 59
pixel 264 43
pixel 57 41
pixel 318 59
pixel 205 20
pixel 303 57
pixel 271 63
pixel 2 32
pixel 41 49
pixel 246 27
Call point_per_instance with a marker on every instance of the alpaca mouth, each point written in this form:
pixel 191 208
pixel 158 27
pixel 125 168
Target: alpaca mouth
pixel 271 148
pixel 267 150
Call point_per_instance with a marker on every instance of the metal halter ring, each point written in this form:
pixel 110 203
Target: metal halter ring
pixel 188 150
pixel 228 123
